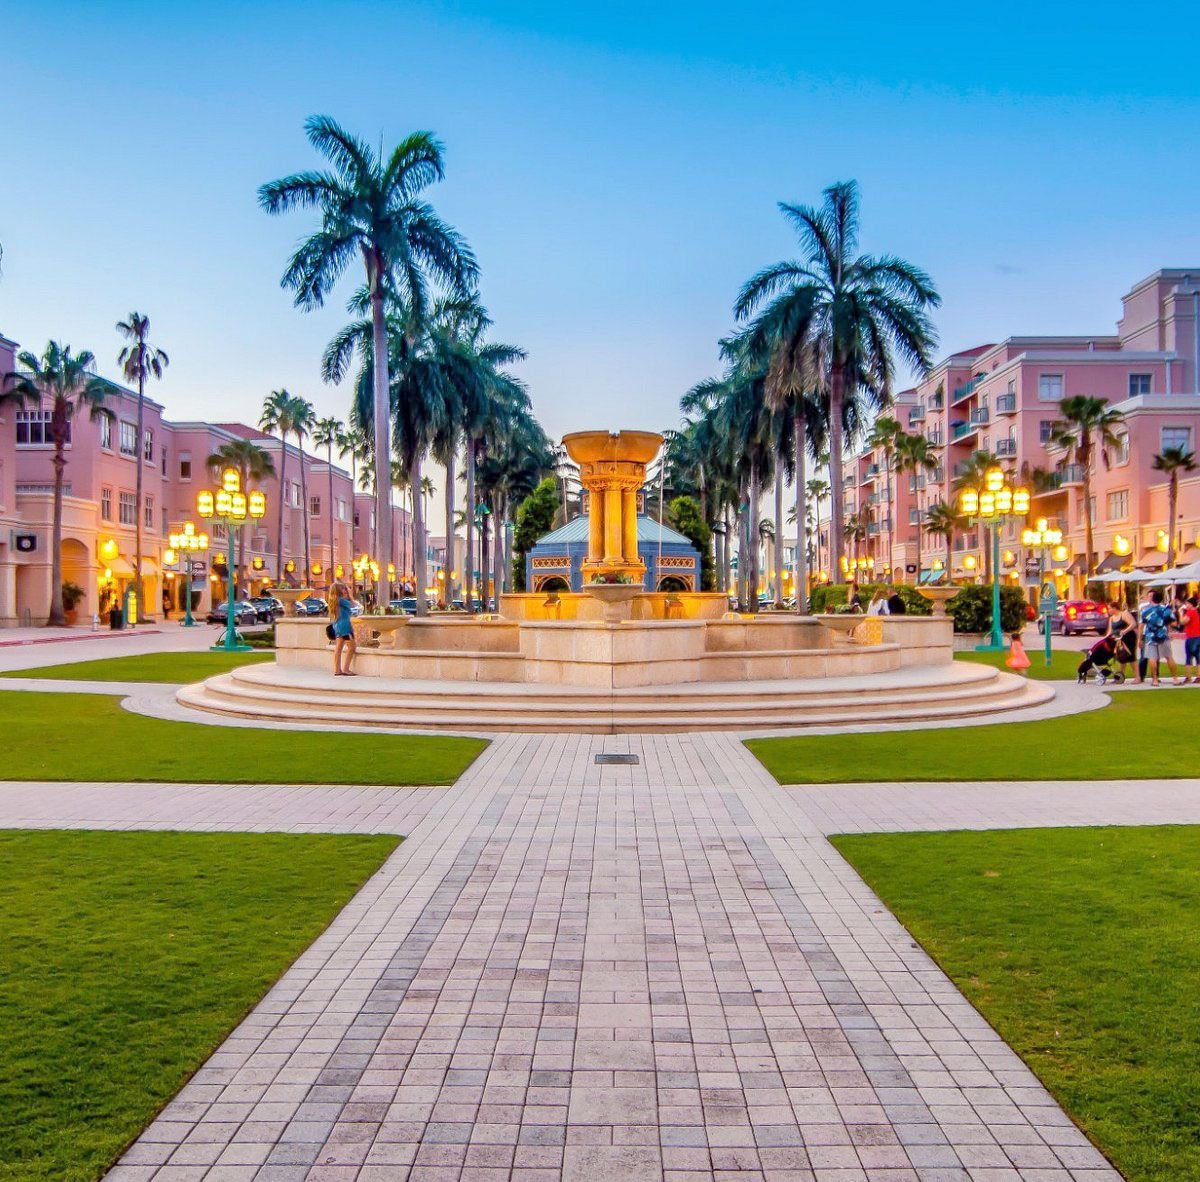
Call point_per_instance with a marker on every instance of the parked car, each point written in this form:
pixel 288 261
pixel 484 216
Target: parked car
pixel 268 607
pixel 244 614
pixel 311 606
pixel 407 605
pixel 1074 616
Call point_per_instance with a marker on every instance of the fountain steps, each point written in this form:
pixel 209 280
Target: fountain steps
pixel 917 694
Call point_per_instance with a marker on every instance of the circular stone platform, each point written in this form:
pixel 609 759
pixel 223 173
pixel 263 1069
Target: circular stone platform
pixel 922 693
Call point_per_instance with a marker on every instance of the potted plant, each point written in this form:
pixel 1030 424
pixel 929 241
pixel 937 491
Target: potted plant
pixel 72 596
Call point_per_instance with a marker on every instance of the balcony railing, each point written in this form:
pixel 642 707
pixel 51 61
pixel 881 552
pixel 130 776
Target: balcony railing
pixel 872 470
pixel 962 430
pixel 1006 448
pixel 934 437
pixel 936 401
pixel 962 467
pixel 1070 474
pixel 1006 404
pixel 980 416
pixel 965 390
pixel 916 415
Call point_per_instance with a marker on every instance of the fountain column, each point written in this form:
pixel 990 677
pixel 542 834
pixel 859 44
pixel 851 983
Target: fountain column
pixel 629 515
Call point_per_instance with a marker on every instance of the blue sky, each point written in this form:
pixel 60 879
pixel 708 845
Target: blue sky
pixel 616 168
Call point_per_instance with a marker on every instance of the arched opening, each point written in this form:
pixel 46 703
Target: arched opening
pixel 77 571
pixel 671 584
pixel 553 583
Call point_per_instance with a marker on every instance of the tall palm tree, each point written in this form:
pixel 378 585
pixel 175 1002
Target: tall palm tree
pixel 140 361
pixel 373 207
pixel 277 416
pixel 816 490
pixel 327 433
pixel 67 383
pixel 1085 425
pixel 853 314
pixel 915 456
pixel 942 519
pixel 884 438
pixel 253 465
pixel 304 419
pixel 855 530
pixel 353 443
pixel 1173 461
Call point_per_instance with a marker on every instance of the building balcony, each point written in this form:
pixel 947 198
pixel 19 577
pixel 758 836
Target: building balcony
pixel 962 467
pixel 936 401
pixel 963 392
pixel 1070 474
pixel 934 437
pixel 872 470
pixel 1006 449
pixel 1006 404
pixel 962 430
pixel 916 415
pixel 980 416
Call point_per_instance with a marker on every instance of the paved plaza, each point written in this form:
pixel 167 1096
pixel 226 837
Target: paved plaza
pixel 657 970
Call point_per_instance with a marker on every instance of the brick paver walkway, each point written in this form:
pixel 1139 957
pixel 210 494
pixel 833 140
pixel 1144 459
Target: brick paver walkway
pixel 590 973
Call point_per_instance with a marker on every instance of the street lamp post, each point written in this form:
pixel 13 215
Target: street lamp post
pixel 188 541
pixel 991 505
pixel 231 506
pixel 1042 538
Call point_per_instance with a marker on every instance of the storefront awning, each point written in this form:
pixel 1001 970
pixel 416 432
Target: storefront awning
pixel 1111 562
pixel 120 568
pixel 1077 566
pixel 1153 560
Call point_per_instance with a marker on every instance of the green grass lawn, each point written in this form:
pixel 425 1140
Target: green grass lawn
pixel 59 736
pixel 1139 735
pixel 181 668
pixel 1081 947
pixel 1062 663
pixel 127 959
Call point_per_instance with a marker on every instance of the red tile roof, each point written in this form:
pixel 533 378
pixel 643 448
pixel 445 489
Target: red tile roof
pixel 243 431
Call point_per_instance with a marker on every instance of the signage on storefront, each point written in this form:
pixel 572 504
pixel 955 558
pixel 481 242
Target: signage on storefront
pixel 25 543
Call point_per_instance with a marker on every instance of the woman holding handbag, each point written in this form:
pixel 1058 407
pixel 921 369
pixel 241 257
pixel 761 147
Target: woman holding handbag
pixel 341 630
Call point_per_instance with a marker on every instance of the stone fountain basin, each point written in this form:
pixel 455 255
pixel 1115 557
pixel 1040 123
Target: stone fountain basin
pixel 594 447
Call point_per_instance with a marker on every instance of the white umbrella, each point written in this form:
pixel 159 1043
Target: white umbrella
pixel 1182 574
pixel 1122 576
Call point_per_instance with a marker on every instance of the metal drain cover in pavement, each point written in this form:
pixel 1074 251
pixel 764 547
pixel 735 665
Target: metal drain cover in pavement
pixel 606 758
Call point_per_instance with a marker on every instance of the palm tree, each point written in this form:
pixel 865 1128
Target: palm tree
pixel 139 361
pixel 1086 424
pixel 304 419
pixel 68 383
pixel 855 530
pixel 884 438
pixel 941 519
pixel 352 442
pixel 328 433
pixel 253 466
pixel 277 416
pixel 1172 461
pixel 851 315
pixel 373 207
pixel 915 456
pixel 816 490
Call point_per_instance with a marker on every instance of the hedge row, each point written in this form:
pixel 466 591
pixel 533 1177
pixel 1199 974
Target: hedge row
pixel 971 608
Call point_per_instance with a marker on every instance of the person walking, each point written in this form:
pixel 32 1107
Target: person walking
pixel 1018 658
pixel 344 644
pixel 1189 622
pixel 1123 627
pixel 1157 620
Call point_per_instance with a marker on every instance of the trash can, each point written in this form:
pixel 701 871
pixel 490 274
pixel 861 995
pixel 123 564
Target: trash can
pixel 116 619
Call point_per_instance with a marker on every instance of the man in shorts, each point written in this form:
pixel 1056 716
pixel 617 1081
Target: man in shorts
pixel 1189 622
pixel 1157 619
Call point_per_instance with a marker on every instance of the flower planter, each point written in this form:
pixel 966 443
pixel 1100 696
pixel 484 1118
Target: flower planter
pixel 617 599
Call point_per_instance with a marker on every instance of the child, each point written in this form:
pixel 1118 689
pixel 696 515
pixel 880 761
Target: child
pixel 1018 659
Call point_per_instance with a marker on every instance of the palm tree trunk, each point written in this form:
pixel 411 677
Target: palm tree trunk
pixel 778 548
pixel 56 617
pixel 753 572
pixel 483 562
pixel 918 579
pixel 381 417
pixel 332 527
pixel 837 387
pixel 420 571
pixel 719 547
pixel 282 500
pixel 800 433
pixel 891 518
pixel 138 482
pixel 1172 505
pixel 451 561
pixel 304 506
pixel 725 573
pixel 469 523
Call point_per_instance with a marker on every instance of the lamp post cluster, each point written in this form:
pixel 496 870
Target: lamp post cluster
pixel 995 502
pixel 188 542
pixel 231 507
pixel 1043 538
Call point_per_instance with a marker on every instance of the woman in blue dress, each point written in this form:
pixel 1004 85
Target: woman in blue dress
pixel 344 646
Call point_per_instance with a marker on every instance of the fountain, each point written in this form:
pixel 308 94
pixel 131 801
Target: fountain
pixel 618 657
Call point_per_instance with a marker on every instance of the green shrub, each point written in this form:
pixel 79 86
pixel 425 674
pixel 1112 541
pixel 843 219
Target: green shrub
pixel 971 609
pixel 833 597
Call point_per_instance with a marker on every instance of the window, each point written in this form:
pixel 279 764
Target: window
pixel 128 508
pixel 1180 437
pixel 33 428
pixel 1045 430
pixel 1117 506
pixel 314 506
pixel 294 494
pixel 341 510
pixel 356 519
pixel 128 439
pixel 1012 385
pixel 106 504
pixel 148 512
pixel 185 465
pixel 1050 387
pixel 148 447
pixel 163 467
pixel 1121 455
pixel 106 432
pixel 1139 383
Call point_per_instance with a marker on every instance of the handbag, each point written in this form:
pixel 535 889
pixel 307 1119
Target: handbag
pixel 330 632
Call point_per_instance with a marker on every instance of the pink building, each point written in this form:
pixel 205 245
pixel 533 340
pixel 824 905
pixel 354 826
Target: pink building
pixel 1003 399
pixel 100 511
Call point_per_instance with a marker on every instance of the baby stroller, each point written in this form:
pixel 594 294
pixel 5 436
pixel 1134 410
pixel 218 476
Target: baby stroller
pixel 1101 659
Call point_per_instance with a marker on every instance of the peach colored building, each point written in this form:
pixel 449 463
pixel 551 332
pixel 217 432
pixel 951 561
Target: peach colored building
pixel 1003 398
pixel 100 510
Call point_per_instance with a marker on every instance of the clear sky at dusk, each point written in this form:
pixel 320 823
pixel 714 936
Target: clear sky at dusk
pixel 615 167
